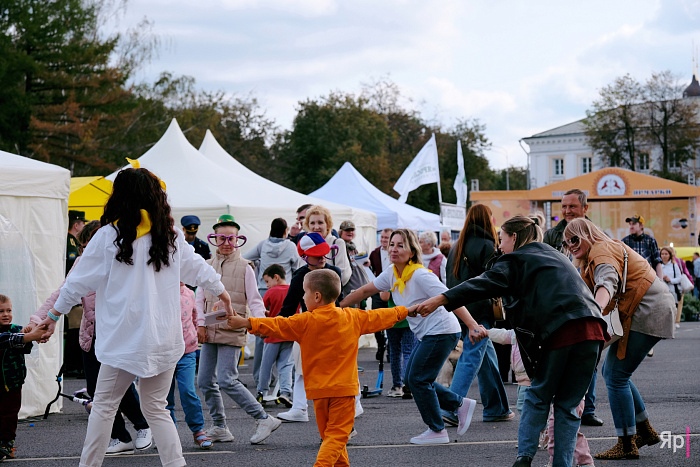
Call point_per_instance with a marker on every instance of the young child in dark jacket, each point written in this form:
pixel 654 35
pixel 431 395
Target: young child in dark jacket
pixel 13 345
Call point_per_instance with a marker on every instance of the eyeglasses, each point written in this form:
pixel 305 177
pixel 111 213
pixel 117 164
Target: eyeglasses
pixel 235 241
pixel 331 255
pixel 573 241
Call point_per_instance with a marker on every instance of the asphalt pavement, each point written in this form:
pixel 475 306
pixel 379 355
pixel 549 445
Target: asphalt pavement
pixel 668 383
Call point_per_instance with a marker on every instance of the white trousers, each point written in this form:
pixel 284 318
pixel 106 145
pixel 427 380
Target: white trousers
pixel 112 383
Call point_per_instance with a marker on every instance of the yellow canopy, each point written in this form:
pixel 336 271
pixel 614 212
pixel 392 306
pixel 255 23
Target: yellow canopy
pixel 89 194
pixel 686 252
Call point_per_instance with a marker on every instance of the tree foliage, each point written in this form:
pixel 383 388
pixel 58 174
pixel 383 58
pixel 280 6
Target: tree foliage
pixel 379 137
pixel 630 119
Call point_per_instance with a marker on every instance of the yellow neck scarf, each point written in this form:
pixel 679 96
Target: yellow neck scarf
pixel 405 275
pixel 144 226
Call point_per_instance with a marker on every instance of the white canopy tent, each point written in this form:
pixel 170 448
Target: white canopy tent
pixel 198 185
pixel 33 226
pixel 352 188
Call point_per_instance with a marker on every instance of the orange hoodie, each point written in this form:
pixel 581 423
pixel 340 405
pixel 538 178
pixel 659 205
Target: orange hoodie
pixel 328 339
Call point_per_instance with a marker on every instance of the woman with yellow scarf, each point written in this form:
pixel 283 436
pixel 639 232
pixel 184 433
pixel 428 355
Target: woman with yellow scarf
pixel 437 333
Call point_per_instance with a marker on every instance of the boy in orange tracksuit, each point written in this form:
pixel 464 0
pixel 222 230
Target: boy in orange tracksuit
pixel 328 340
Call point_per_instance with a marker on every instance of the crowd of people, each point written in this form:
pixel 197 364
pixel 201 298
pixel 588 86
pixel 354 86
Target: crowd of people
pixel 161 308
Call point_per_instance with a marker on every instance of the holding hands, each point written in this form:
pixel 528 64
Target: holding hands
pixel 430 305
pixel 34 333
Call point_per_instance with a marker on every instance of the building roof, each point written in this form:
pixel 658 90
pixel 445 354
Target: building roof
pixel 693 89
pixel 574 128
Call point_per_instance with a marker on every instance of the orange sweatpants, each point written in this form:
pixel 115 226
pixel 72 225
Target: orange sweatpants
pixel 335 417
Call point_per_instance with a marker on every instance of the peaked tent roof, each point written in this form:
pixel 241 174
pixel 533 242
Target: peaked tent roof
pixel 287 201
pixel 196 185
pixel 349 186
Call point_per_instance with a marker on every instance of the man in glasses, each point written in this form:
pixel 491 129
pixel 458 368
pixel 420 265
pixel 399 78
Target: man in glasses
pixel 190 225
pixel 574 204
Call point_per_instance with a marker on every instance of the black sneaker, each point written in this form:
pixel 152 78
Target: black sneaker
pixel 406 393
pixel 284 399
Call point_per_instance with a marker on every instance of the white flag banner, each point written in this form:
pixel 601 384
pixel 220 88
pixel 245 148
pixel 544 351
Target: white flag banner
pixel 460 185
pixel 422 170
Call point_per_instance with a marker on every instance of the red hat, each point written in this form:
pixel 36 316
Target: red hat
pixel 312 244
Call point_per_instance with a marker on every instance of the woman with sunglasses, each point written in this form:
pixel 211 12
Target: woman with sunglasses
pixel 315 253
pixel 647 311
pixel 557 323
pixel 411 283
pixel 221 345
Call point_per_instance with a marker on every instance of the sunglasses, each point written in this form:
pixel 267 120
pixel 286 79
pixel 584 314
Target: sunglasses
pixel 573 241
pixel 235 241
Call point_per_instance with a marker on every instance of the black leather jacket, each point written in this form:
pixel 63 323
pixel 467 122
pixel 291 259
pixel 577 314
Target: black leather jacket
pixel 480 248
pixel 541 290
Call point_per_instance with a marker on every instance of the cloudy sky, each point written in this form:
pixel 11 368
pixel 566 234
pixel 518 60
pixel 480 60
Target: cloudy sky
pixel 519 67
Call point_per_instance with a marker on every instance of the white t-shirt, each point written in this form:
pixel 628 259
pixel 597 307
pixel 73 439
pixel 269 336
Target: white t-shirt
pixel 422 285
pixel 138 325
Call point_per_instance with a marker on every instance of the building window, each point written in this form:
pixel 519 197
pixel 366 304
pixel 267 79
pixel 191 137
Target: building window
pixel 558 169
pixel 586 165
pixel 673 163
pixel 644 161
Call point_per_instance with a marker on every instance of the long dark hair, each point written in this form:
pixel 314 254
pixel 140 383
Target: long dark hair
pixel 478 214
pixel 133 190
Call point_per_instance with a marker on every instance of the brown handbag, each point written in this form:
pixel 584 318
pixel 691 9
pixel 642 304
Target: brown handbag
pixel 499 313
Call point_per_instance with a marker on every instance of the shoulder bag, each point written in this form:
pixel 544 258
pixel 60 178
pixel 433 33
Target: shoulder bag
pixel 686 286
pixel 612 319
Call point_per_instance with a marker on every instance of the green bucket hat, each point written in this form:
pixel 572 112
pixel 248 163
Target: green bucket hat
pixel 226 219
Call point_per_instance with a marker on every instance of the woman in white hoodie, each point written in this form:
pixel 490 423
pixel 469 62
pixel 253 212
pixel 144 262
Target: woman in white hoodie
pixel 433 259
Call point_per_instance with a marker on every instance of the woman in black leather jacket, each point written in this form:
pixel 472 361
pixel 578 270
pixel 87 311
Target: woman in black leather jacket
pixel 558 326
pixel 468 258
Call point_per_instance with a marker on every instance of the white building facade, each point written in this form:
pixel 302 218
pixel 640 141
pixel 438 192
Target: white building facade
pixel 563 153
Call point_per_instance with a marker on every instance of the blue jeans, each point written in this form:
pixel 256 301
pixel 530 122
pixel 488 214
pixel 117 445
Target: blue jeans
pixel 422 369
pixel 257 358
pixel 218 369
pixel 561 377
pixel 480 359
pixel 279 353
pixel 625 402
pixel 401 343
pixel 589 406
pixel 192 406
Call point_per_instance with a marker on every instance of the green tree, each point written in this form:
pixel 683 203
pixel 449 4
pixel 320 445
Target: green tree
pixel 615 125
pixel 672 121
pixel 65 101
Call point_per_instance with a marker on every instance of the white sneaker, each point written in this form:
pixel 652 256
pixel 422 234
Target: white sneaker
pixel 144 440
pixel 264 428
pixel 395 392
pixel 294 415
pixel 358 408
pixel 431 437
pixel 119 448
pixel 678 325
pixel 464 415
pixel 353 433
pixel 220 434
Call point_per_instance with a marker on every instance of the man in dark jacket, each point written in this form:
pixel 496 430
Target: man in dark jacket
pixel 477 359
pixel 190 225
pixel 574 204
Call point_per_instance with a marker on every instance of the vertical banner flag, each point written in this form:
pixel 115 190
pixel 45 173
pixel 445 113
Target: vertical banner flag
pixel 460 185
pixel 422 170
